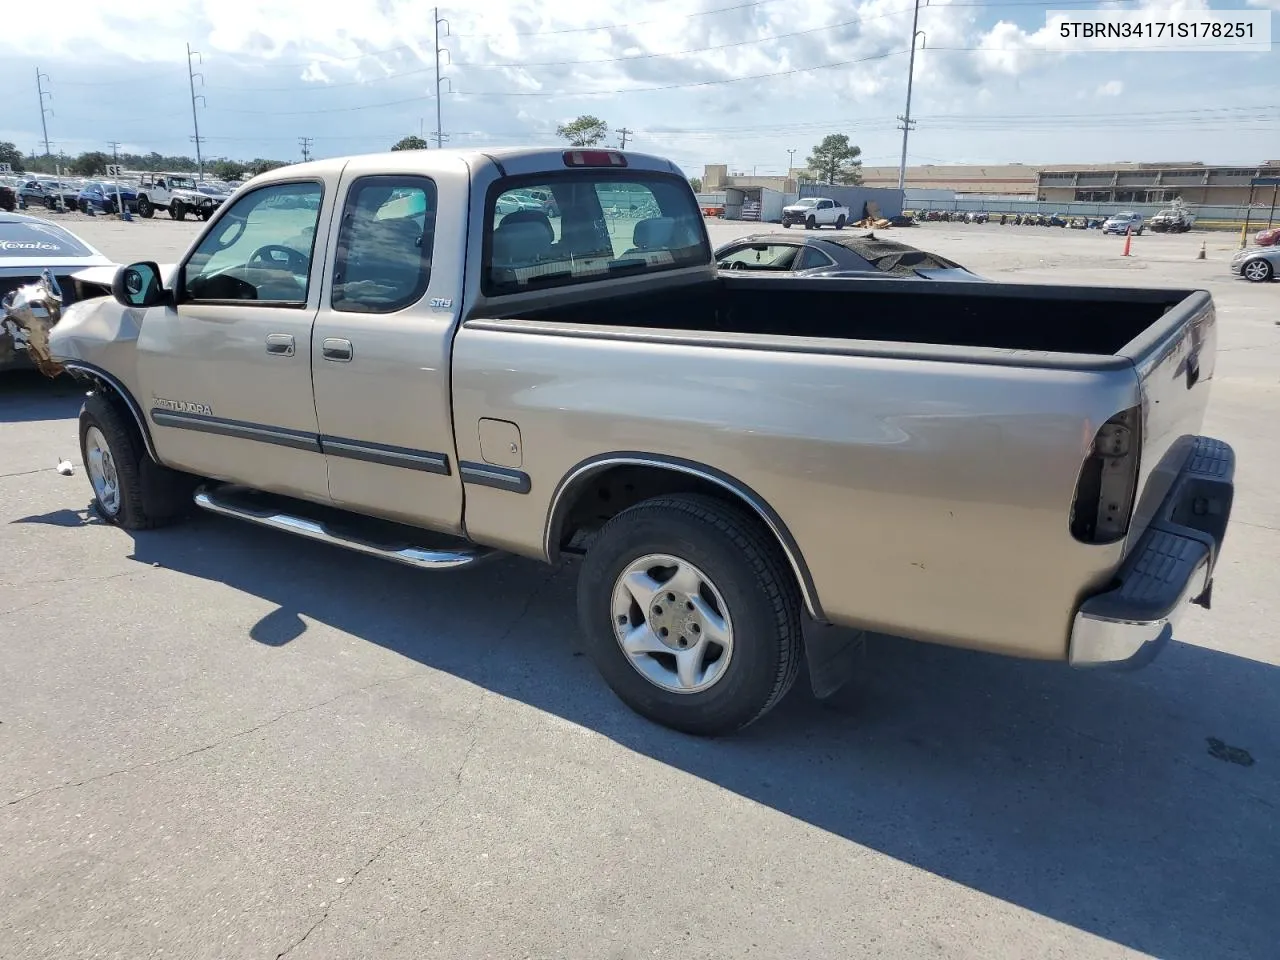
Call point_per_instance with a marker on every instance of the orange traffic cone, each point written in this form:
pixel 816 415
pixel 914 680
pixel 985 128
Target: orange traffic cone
pixel 1128 239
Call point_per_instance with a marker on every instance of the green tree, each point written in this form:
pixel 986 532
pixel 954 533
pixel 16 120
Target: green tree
pixel 226 170
pixel 586 131
pixel 10 154
pixel 696 183
pixel 262 166
pixel 835 160
pixel 92 163
pixel 411 143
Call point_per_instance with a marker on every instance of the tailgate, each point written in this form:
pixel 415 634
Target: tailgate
pixel 1174 359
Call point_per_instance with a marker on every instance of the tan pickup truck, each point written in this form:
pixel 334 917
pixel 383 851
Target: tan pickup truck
pixel 433 355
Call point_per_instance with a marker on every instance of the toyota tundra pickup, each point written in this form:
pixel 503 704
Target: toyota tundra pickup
pixel 369 352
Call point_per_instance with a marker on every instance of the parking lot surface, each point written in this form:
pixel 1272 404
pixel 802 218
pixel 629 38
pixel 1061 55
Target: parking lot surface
pixel 220 742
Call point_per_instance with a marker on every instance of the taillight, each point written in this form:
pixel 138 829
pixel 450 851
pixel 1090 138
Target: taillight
pixel 594 158
pixel 1108 482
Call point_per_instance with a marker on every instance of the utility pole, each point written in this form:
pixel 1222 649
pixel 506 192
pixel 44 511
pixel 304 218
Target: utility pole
pixel 305 144
pixel 44 111
pixel 791 162
pixel 624 133
pixel 907 122
pixel 195 120
pixel 439 136
pixel 115 150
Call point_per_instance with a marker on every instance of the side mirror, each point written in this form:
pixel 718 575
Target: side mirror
pixel 138 285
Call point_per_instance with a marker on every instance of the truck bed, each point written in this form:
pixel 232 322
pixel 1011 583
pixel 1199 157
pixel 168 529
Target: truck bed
pixel 1083 321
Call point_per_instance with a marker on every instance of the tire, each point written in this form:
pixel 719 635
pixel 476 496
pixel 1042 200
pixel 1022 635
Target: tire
pixel 1254 273
pixel 145 208
pixel 785 225
pixel 146 495
pixel 51 203
pixel 716 543
pixel 177 210
pixel 811 224
pixel 840 222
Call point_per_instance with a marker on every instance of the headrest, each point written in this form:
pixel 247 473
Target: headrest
pixel 654 232
pixel 521 242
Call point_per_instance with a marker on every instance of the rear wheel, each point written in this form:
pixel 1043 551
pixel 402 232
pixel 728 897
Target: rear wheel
pixel 145 208
pixel 691 614
pixel 1258 271
pixel 840 222
pixel 130 490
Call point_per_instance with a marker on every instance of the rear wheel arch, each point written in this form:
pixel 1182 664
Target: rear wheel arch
pixel 601 487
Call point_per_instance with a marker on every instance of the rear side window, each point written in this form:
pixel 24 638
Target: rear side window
pixel 383 261
pixel 589 225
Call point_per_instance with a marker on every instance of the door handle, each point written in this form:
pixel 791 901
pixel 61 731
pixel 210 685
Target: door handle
pixel 336 350
pixel 280 344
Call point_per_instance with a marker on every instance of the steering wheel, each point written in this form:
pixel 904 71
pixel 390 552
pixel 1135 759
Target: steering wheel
pixel 737 265
pixel 272 254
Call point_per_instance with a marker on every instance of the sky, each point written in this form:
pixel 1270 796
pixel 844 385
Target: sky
pixel 699 81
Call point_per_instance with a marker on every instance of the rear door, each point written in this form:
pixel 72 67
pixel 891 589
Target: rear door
pixel 380 355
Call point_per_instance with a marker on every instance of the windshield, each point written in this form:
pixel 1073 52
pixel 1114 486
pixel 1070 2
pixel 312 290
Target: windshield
pixel 807 202
pixel 20 238
pixel 592 225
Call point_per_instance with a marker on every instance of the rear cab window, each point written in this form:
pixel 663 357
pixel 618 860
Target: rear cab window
pixel 586 225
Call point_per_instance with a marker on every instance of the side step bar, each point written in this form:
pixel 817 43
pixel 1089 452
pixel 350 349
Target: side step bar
pixel 422 557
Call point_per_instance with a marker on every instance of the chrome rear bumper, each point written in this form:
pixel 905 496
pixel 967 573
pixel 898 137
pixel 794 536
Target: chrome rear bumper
pixel 1173 563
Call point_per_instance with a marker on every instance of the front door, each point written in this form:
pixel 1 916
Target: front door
pixel 226 374
pixel 381 348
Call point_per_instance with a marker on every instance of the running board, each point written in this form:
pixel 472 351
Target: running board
pixel 425 558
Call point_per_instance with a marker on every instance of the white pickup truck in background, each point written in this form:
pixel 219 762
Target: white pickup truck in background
pixel 815 212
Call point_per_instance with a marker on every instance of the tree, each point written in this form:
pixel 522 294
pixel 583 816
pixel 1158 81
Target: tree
pixel 696 183
pixel 835 160
pixel 262 166
pixel 586 131
pixel 90 164
pixel 411 143
pixel 226 169
pixel 10 154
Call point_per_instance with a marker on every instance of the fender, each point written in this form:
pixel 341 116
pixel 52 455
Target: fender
pixel 106 382
pixel 582 472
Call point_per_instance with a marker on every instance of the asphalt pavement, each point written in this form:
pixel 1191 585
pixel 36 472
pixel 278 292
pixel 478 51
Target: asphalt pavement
pixel 220 742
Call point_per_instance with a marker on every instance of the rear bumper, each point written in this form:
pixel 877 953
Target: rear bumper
pixel 1173 563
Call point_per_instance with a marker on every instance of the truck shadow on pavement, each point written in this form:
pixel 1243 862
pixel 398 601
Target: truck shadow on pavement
pixel 1129 806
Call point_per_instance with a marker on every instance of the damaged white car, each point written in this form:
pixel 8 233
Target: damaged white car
pixel 43 269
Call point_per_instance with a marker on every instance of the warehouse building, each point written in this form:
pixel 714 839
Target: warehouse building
pixel 1194 183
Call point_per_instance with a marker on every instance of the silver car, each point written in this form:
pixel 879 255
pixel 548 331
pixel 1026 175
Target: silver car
pixel 1258 264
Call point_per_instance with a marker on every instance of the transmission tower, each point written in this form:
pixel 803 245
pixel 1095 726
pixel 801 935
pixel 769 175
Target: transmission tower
pixel 44 110
pixel 195 119
pixel 439 136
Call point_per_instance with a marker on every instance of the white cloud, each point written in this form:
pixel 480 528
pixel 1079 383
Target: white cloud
pixel 1112 88
pixel 1273 4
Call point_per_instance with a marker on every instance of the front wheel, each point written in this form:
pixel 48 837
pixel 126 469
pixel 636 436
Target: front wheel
pixel 177 211
pixel 785 225
pixel 1258 271
pixel 130 490
pixel 690 613
pixel 811 224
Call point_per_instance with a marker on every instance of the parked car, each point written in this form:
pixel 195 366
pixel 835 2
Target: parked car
pixel 46 192
pixel 178 193
pixel 828 255
pixel 815 212
pixel 959 463
pixel 1124 222
pixel 1175 219
pixel 29 246
pixel 1258 264
pixel 103 194
pixel 1268 238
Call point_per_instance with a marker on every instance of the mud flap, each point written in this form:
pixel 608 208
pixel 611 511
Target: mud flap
pixel 833 654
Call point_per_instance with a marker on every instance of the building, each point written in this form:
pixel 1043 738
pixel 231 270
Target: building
pixel 1195 183
pixel 1005 180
